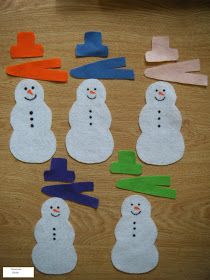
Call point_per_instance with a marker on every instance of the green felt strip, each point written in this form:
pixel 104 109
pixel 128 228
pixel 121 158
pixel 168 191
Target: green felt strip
pixel 151 190
pixel 146 180
pixel 126 164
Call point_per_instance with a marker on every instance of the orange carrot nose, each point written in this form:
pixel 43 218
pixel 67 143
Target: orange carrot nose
pixel 136 208
pixel 29 91
pixel 92 92
pixel 161 93
pixel 55 210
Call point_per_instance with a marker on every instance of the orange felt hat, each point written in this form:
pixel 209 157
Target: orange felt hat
pixel 26 46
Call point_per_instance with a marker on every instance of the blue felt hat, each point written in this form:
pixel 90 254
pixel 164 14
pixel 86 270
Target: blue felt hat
pixel 58 171
pixel 92 46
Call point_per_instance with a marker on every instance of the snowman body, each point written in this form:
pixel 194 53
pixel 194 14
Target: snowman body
pixel 89 139
pixel 54 252
pixel 161 141
pixel 58 248
pixel 32 139
pixel 135 250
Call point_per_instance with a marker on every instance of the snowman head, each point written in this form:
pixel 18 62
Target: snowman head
pixel 136 206
pixel 91 91
pixel 55 209
pixel 161 93
pixel 29 92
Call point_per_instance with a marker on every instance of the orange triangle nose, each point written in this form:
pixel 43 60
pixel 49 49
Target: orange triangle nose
pixel 161 93
pixel 55 210
pixel 29 91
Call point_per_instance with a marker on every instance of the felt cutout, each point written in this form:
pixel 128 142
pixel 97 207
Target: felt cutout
pixel 92 46
pixel 40 70
pixel 104 69
pixel 152 185
pixel 73 192
pixel 161 142
pixel 32 139
pixel 135 233
pixel 161 50
pixel 54 252
pixel 89 139
pixel 126 164
pixel 178 72
pixel 26 46
pixel 58 171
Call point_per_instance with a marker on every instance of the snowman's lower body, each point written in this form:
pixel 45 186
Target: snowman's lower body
pixel 54 258
pixel 135 258
pixel 33 147
pixel 92 146
pixel 160 148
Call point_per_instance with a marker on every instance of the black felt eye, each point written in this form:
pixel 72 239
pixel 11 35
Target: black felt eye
pixel 94 88
pixel 156 90
pixel 131 204
pixel 87 88
pixel 25 88
pixel 138 204
pixel 164 90
pixel 32 87
pixel 58 207
pixel 51 207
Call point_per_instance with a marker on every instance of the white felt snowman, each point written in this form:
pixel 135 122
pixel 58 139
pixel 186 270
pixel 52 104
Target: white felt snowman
pixel 32 139
pixel 160 121
pixel 89 139
pixel 136 233
pixel 54 252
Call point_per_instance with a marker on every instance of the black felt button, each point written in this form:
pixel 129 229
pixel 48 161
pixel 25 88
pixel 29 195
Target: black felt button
pixel 159 125
pixel 54 228
pixel 90 117
pixel 90 111
pixel 158 118
pixel 31 112
pixel 134 228
pixel 90 123
pixel 134 223
pixel 31 119
pixel 54 238
pixel 134 235
pixel 159 111
pixel 32 125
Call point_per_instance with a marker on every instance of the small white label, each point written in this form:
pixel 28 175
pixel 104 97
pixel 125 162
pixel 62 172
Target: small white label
pixel 18 272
